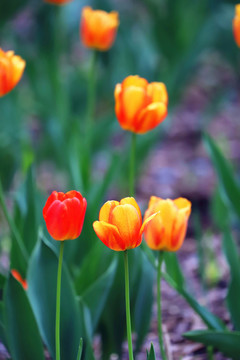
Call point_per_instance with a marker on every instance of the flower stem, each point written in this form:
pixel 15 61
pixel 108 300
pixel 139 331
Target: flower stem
pixel 132 166
pixel 58 299
pixel 160 332
pixel 90 117
pixel 127 298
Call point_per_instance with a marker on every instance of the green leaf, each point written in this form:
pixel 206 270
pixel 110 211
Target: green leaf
pixel 231 252
pixel 212 321
pixel 144 300
pixel 96 294
pixel 3 335
pixel 42 277
pixel 225 341
pixel 173 268
pixel 228 185
pixel 151 354
pixel 21 327
pixel 79 355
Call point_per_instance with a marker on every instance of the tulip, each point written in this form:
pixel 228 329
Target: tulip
pixel 64 214
pixel 168 228
pixel 166 232
pixel 120 224
pixel 140 106
pixel 98 28
pixel 236 25
pixel 58 2
pixel 19 278
pixel 11 70
pixel 120 228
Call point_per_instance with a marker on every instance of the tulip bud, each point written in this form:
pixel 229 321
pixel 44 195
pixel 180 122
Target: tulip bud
pixel 98 28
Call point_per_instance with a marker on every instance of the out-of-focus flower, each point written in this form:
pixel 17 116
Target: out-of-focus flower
pixel 120 224
pixel 57 2
pixel 11 70
pixel 140 106
pixel 167 229
pixel 64 214
pixel 236 25
pixel 98 28
pixel 19 278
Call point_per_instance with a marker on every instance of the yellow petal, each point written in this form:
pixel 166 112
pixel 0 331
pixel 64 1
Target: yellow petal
pixel 126 219
pixel 134 80
pixel 158 92
pixel 106 210
pixel 150 117
pixel 131 201
pixel 154 232
pixel 109 235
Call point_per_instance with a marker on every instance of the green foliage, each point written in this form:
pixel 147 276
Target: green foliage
pixel 232 255
pixel 228 185
pixel 225 341
pixel 20 325
pixel 151 354
pixel 42 274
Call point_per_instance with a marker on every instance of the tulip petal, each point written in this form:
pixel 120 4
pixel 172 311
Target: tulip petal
pixel 157 91
pixel 154 232
pixel 150 117
pixel 126 219
pixel 109 235
pixel 131 201
pixel 57 220
pixel 179 231
pixel 136 81
pixel 133 100
pixel 183 205
pixel 106 210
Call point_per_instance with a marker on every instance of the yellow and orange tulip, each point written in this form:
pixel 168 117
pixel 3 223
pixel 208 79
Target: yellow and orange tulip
pixel 120 224
pixel 98 28
pixel 236 25
pixel 140 106
pixel 11 70
pixel 58 2
pixel 168 228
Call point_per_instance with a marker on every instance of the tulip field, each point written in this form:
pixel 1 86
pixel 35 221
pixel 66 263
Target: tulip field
pixel 119 180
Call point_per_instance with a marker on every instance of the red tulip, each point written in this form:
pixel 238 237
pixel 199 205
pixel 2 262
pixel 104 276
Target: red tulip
pixel 64 214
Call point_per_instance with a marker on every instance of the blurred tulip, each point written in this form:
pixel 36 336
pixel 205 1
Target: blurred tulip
pixel 64 214
pixel 120 224
pixel 140 106
pixel 236 25
pixel 11 70
pixel 18 277
pixel 168 228
pixel 58 2
pixel 98 28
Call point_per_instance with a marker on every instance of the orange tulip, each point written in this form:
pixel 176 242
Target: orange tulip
pixel 120 224
pixel 64 214
pixel 140 106
pixel 168 228
pixel 98 28
pixel 58 2
pixel 236 25
pixel 18 277
pixel 11 70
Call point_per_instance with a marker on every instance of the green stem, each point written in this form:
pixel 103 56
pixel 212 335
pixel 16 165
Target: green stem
pixel 160 332
pixel 58 300
pixel 90 115
pixel 210 353
pixel 132 165
pixel 127 298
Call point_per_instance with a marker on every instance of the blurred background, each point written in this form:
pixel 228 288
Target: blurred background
pixel 188 45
